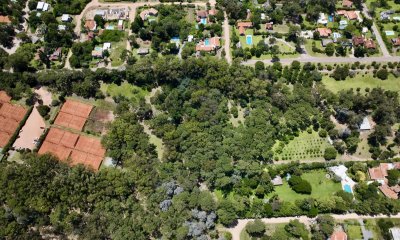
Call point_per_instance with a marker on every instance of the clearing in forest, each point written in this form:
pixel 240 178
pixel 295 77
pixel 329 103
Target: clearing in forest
pixel 307 146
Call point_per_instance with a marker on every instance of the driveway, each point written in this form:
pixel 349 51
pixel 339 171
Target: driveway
pixel 227 39
pixel 377 34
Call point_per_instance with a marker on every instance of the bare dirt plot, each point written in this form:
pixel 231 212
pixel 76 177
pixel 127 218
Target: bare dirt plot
pixel 45 95
pixel 31 131
pixel 98 121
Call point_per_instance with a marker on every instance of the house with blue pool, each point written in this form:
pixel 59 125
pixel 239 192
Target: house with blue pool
pixel 209 44
pixel 340 172
pixel 203 16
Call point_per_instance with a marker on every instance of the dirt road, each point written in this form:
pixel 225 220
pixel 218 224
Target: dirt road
pixel 227 39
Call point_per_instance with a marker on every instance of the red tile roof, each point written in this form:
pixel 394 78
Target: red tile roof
pixel 370 44
pixel 324 32
pixel 388 192
pixel 358 41
pixel 347 3
pixel 5 19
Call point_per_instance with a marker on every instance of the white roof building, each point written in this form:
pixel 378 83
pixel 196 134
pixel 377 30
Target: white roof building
pixel 190 38
pixel 40 5
pixel 62 27
pixel 339 171
pixel 365 125
pixel 65 17
pixel 263 16
pixel 322 19
pixel 46 7
pixel 106 46
pixel 395 233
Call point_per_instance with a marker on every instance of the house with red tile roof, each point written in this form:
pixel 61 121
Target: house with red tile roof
pixel 347 3
pixel 242 26
pixel 209 45
pixel 370 44
pixel 269 26
pixel 388 191
pixel 90 25
pixel 396 41
pixel 338 235
pixel 358 41
pixel 205 14
pixel 351 15
pixel 324 32
pixel 5 19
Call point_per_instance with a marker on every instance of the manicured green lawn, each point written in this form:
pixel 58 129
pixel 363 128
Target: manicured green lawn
pixel 308 46
pixel 115 53
pixel 304 147
pixel 322 187
pixel 126 89
pixel 363 82
pixel 354 232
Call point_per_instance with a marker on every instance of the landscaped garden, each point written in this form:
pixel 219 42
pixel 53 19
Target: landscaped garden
pixel 304 147
pixel 322 187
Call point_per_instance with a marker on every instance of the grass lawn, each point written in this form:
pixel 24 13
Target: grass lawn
pixel 286 51
pixel 308 46
pixel 281 28
pixel 322 187
pixel 270 230
pixel 372 225
pixel 240 119
pixel 305 146
pixel 363 82
pixel 126 89
pixel 115 53
pixel 353 229
pixel 391 6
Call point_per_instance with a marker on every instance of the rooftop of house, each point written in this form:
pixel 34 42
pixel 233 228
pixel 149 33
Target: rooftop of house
pixel 347 3
pixel 358 40
pixel 324 32
pixel 90 24
pixel 147 12
pixel 5 19
pixel 370 44
pixel 388 192
pixel 380 172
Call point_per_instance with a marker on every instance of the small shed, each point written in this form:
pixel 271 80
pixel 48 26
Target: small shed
pixel 106 46
pixel 143 51
pixel 277 181
pixel 190 38
pixel 40 5
pixel 62 27
pixel 365 125
pixel 65 18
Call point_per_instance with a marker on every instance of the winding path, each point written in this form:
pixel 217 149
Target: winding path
pixel 236 230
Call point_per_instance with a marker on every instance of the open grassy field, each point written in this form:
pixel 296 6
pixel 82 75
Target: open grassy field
pixel 363 82
pixel 115 53
pixel 304 147
pixel 270 230
pixel 126 89
pixel 308 47
pixel 353 229
pixel 322 187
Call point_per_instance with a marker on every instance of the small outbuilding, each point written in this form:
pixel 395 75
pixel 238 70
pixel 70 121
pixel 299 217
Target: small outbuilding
pixel 277 181
pixel 143 51
pixel 395 232
pixel 365 125
pixel 65 18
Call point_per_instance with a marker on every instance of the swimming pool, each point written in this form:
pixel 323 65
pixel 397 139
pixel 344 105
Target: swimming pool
pixel 203 21
pixel 389 33
pixel 110 27
pixel 249 40
pixel 347 188
pixel 206 42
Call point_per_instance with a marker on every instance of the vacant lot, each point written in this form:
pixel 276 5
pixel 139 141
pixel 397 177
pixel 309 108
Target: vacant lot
pixel 304 147
pixel 362 82
pixel 322 187
pixel 126 90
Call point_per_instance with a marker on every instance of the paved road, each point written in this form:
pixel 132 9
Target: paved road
pixel 304 59
pixel 377 34
pixel 242 222
pixel 227 39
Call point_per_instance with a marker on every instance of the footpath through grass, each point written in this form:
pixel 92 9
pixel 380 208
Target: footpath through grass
pixel 322 187
pixel 362 81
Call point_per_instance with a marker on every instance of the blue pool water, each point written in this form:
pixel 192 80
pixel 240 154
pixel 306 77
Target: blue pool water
pixel 249 40
pixel 207 42
pixel 203 21
pixel 389 33
pixel 347 188
pixel 330 18
pixel 110 27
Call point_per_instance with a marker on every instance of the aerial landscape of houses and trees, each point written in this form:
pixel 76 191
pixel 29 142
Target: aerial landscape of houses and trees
pixel 196 119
